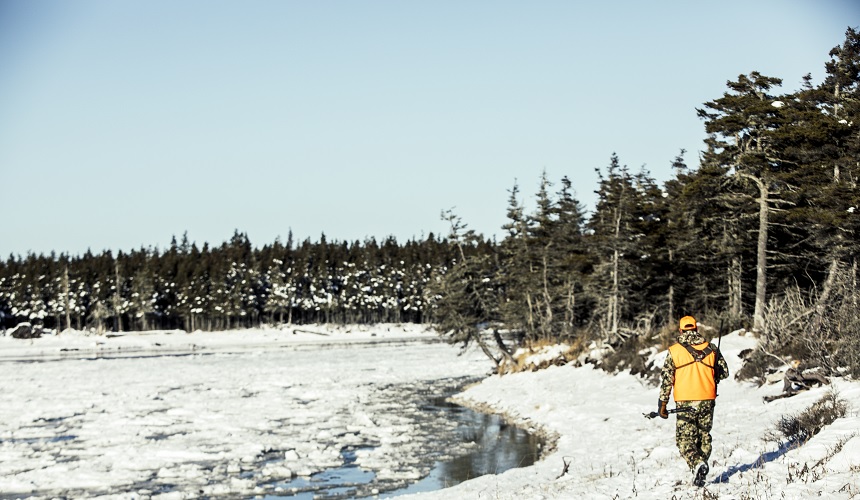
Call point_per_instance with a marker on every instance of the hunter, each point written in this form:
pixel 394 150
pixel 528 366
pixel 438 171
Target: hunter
pixel 692 371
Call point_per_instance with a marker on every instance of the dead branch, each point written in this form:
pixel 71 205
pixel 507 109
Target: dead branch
pixel 566 466
pixel 296 330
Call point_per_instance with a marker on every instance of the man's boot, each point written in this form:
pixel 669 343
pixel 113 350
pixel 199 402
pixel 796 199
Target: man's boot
pixel 701 472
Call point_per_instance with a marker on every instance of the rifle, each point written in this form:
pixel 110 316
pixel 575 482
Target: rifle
pixel 720 334
pixel 716 358
pixel 654 414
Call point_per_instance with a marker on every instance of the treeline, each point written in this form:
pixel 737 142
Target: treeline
pixel 762 234
pixel 229 286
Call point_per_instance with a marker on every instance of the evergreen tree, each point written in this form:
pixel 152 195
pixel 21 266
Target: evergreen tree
pixel 828 144
pixel 515 266
pixel 614 239
pixel 704 242
pixel 465 297
pixel 542 263
pixel 142 303
pixel 574 261
pixel 741 125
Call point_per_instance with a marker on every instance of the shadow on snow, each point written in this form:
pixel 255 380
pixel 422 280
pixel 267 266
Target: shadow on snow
pixel 761 460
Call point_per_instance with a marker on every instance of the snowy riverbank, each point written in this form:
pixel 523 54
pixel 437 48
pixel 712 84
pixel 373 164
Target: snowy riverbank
pixel 73 343
pixel 192 426
pixel 614 452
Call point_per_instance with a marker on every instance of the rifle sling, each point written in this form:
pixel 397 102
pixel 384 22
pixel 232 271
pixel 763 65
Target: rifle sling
pixel 698 356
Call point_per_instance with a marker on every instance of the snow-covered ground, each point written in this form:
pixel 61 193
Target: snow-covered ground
pixel 77 344
pixel 82 425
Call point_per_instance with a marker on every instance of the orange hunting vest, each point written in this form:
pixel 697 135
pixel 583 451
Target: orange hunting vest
pixel 694 380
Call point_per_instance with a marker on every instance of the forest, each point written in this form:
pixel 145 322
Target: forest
pixel 233 285
pixel 762 233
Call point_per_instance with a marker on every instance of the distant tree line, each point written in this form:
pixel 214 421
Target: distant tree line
pixel 233 285
pixel 763 233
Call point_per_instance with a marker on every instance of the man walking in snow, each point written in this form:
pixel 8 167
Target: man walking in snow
pixel 692 370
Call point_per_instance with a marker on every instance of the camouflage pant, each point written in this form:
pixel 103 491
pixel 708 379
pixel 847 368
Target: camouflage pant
pixel 693 431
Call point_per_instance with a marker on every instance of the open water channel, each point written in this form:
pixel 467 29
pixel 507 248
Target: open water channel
pixel 486 444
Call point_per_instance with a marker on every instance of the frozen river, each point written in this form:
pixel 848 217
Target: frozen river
pixel 262 421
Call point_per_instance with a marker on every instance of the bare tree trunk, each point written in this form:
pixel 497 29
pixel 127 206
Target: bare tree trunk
pixel 570 309
pixel 761 254
pixel 486 350
pixel 821 303
pixel 671 316
pixel 66 302
pixel 827 287
pixel 854 283
pixel 761 261
pixel 735 287
pixel 502 347
pixel 615 256
pixel 531 319
pixel 117 299
pixel 547 320
pixel 613 301
pixel 97 314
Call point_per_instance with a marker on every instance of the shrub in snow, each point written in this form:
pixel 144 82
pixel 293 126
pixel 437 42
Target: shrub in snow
pixel 759 366
pixel 538 356
pixel 632 355
pixel 809 422
pixel 25 331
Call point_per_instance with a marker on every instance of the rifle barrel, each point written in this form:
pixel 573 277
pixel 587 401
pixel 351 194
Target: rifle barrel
pixel 654 414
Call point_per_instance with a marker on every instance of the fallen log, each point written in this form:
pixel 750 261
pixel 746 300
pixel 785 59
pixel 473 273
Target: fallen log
pixel 296 330
pixel 797 380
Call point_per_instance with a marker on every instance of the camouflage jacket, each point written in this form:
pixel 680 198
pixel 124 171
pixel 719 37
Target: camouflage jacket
pixel 667 376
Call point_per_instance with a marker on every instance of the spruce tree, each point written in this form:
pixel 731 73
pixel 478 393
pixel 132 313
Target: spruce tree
pixel 613 239
pixel 741 125
pixel 515 264
pixel 466 297
pixel 574 261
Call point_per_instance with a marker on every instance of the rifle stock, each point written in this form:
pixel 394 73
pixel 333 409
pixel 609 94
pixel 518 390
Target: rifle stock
pixel 654 414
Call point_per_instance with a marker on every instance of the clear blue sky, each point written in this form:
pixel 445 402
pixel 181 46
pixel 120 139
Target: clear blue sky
pixel 125 123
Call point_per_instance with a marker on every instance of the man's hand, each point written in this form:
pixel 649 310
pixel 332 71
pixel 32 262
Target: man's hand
pixel 661 409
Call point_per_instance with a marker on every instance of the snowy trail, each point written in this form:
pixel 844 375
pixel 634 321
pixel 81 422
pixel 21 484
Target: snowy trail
pixel 616 453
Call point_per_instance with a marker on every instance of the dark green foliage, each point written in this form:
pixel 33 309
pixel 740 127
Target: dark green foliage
pixel 465 296
pixel 545 263
pixel 628 235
